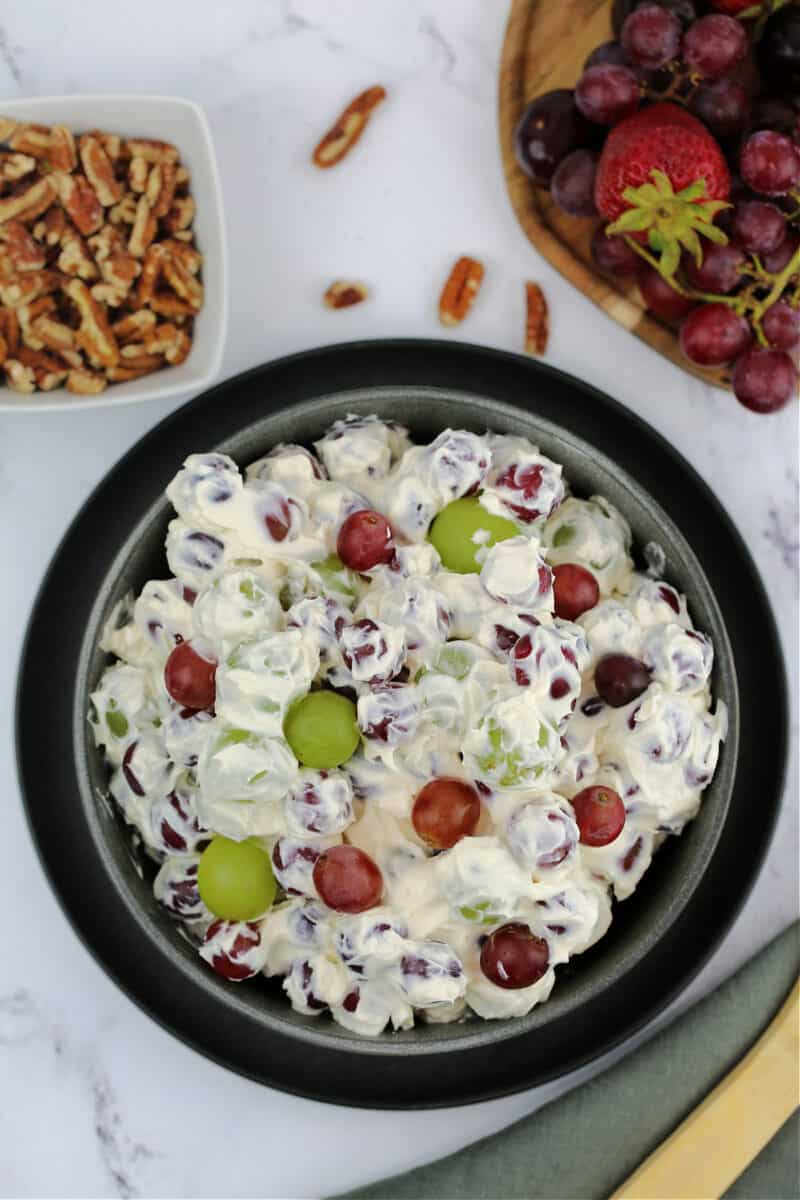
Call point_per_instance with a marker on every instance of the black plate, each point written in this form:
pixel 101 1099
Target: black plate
pixel 687 899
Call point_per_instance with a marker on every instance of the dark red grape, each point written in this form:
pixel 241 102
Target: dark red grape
pixel 445 811
pixel 606 52
pixel 613 254
pixel 723 105
pixel 347 879
pixel 572 185
pixel 514 957
pixel 575 590
pixel 600 814
pixel 651 37
pixel 781 326
pixel 759 226
pixel 778 50
pixel 714 45
pixel 189 678
pixel 365 540
pixel 778 259
pixel 772 112
pixel 619 679
pixel 764 380
pixel 713 335
pixel 606 94
pixel 685 11
pixel 659 297
pixel 548 130
pixel 719 270
pixel 770 163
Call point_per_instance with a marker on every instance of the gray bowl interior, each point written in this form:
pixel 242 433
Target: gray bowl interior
pixel 667 886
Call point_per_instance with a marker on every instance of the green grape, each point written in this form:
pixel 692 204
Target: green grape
pixel 337 579
pixel 117 722
pixel 480 913
pixel 454 660
pixel 453 529
pixel 563 535
pixel 322 729
pixel 235 879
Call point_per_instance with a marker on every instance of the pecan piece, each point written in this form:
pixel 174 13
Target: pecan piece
pixel 100 171
pixel 27 204
pixel 152 151
pixel 9 330
pixel 7 127
pixel 28 314
pixel 123 213
pixel 19 377
pixel 94 335
pixel 342 136
pixel 61 154
pixel 118 268
pixel 22 289
pixel 54 335
pixel 160 190
pixel 20 250
pixel 75 258
pixel 49 370
pixel 536 320
pixel 16 166
pixel 135 326
pixel 80 202
pixel 180 216
pixel 84 382
pixel 344 295
pixel 167 304
pixel 150 277
pixel 55 147
pixel 185 285
pixel 144 228
pixel 30 139
pixel 460 290
pixel 138 173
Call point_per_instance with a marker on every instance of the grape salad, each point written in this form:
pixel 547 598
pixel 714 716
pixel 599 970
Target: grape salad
pixel 402 722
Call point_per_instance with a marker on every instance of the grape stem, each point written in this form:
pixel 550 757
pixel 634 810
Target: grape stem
pixel 746 304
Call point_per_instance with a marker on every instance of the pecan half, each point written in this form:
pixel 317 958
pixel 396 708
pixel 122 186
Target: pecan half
pixel 144 228
pixel 28 203
pixel 23 288
pixel 460 290
pixel 9 330
pixel 54 335
pixel 19 377
pixel 75 258
pixel 180 215
pixel 343 135
pixel 16 166
pixel 536 320
pixel 94 335
pixel 100 171
pixel 152 151
pixel 80 202
pixel 134 327
pixel 344 295
pixel 20 250
pixel 160 190
pixel 49 370
pixel 84 382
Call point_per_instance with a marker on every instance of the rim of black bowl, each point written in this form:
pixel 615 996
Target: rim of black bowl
pixel 310 1067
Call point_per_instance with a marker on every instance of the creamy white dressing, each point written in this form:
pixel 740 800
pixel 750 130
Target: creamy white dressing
pixel 470 676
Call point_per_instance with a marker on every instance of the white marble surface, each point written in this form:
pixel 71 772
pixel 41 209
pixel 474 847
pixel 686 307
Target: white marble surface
pixel 95 1100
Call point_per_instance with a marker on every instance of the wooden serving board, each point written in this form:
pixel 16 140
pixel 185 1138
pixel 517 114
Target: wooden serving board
pixel 546 43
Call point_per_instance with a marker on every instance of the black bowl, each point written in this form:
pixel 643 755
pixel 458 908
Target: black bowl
pixel 658 939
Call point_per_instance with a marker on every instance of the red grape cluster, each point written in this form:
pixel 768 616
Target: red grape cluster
pixel 735 66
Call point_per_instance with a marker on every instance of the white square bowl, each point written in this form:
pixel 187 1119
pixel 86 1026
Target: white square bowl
pixel 169 119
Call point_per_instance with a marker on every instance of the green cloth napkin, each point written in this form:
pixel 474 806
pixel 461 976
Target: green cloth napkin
pixel 584 1144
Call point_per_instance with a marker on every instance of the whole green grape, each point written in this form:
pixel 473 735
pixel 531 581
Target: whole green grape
pixel 235 879
pixel 453 529
pixel 322 730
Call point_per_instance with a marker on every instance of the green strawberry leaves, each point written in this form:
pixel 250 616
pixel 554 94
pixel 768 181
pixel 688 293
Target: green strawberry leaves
pixel 674 221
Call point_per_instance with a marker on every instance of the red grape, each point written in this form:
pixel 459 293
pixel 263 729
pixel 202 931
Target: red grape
pixel 714 44
pixel 759 226
pixel 189 678
pixel 607 93
pixel 347 879
pixel 514 957
pixel 651 36
pixel 365 540
pixel 723 105
pixel 714 335
pixel 606 52
pixel 231 947
pixel 572 186
pixel 764 380
pixel 684 10
pixel 781 326
pixel 719 270
pixel 445 811
pixel 778 259
pixel 549 128
pixel 613 254
pixel 619 679
pixel 575 590
pixel 600 814
pixel 659 297
pixel 770 163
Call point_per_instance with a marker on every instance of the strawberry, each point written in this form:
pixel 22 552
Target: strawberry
pixel 663 177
